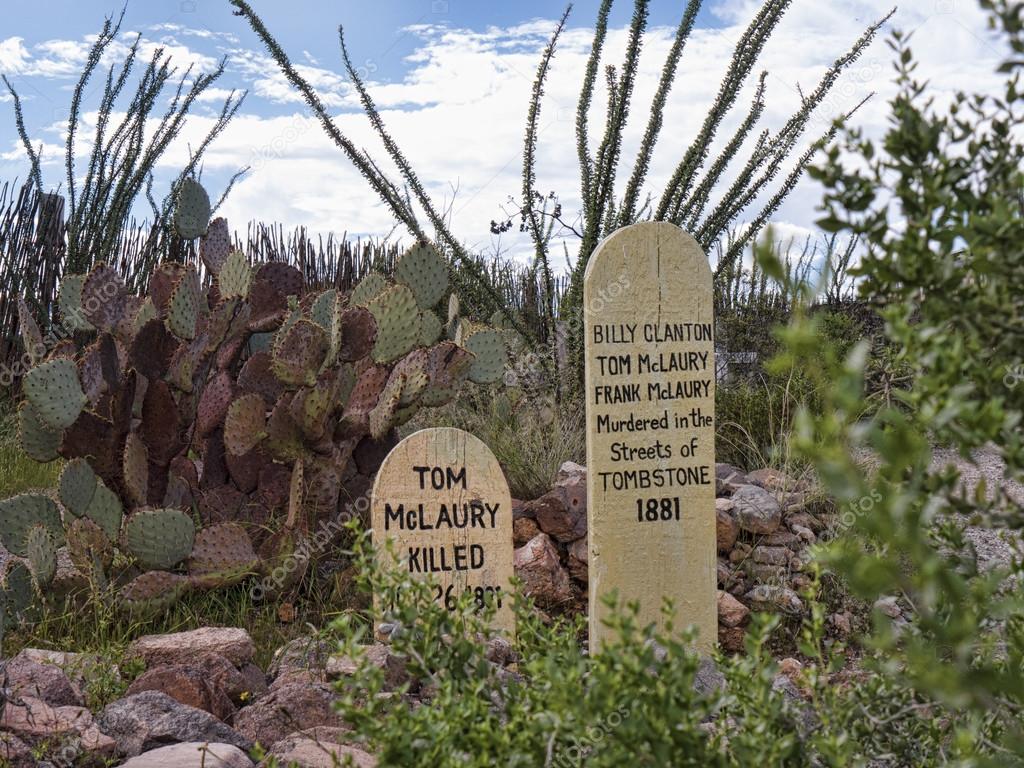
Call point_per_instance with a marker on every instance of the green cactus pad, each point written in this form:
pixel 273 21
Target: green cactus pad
pixel 299 353
pixel 183 306
pixel 383 414
pixel 488 350
pixel 76 486
pixel 222 555
pixel 104 298
pixel 31 336
pixel 216 245
pixel 69 300
pixel 136 469
pixel 38 441
pixel 430 328
pixel 153 592
pixel 310 408
pixel 422 269
pixel 41 553
pixel 191 210
pixel 159 538
pixel 55 393
pixel 235 276
pixel 88 547
pixel 321 311
pixel 17 598
pixel 398 323
pixel 106 511
pixel 284 438
pixel 447 367
pixel 19 513
pixel 370 287
pixel 245 425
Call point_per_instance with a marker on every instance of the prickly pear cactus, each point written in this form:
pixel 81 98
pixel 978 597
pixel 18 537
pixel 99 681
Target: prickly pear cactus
pixel 209 432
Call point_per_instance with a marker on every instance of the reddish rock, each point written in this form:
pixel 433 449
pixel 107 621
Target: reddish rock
pixel 318 748
pixel 805 519
pixel 756 510
pixel 523 529
pixel 731 612
pixel 791 668
pixel 238 685
pixel 182 647
pixel 520 509
pixel 304 659
pixel 285 709
pixel 42 680
pixel 804 535
pixel 15 753
pixel 195 754
pixel 34 721
pixel 376 655
pixel 782 538
pixel 728 478
pixel 772 480
pixel 765 574
pixel 187 685
pixel 771 555
pixel 842 624
pixel 727 528
pixel 769 597
pixel 558 519
pixel 578 560
pixel 544 578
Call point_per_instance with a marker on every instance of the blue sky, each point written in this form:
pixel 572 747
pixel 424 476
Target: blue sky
pixel 453 78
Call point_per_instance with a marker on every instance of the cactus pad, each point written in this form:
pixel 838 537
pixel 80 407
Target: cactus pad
pixel 447 367
pixel 103 297
pixel 153 592
pixel 214 403
pixel 285 278
pixel 41 553
pixel 430 328
pixel 38 441
pixel 382 417
pixel 136 469
pixel 222 555
pixel 216 245
pixel 321 311
pixel 422 269
pixel 16 597
pixel 245 425
pixel 299 353
pixel 31 336
pixel 398 323
pixel 19 513
pixel 183 306
pixel 488 350
pixel 69 299
pixel 88 546
pixel 76 486
pixel 191 210
pixel 235 276
pixel 257 377
pixel 159 538
pixel 55 393
pixel 284 438
pixel 370 287
pixel 106 511
pixel 356 332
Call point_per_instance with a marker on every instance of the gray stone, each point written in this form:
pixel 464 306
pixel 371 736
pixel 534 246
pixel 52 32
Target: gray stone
pixel 770 597
pixel 42 680
pixel 153 719
pixel 709 678
pixel 286 709
pixel 756 510
pixel 196 754
pixel 318 748
pixel 570 469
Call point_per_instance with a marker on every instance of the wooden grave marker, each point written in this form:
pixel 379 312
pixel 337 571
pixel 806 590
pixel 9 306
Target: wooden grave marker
pixel 441 498
pixel 650 402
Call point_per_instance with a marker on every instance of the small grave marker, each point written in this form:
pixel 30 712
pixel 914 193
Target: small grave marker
pixel 650 401
pixel 441 498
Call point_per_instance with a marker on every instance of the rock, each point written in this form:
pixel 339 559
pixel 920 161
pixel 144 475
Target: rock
pixel 317 748
pixel 153 719
pixel 805 717
pixel 731 612
pixel 756 510
pixel 782 538
pixel 791 668
pixel 577 562
pixel 792 502
pixel 187 685
pixel 708 678
pixel 739 553
pixel 806 535
pixel 731 638
pixel 500 651
pixel 304 658
pixel 723 573
pixel 806 520
pixel 523 529
pixel 42 680
pixel 34 721
pixel 771 555
pixel 181 647
pixel 841 623
pixel 376 655
pixel 570 469
pixel 196 754
pixel 769 597
pixel 727 528
pixel 772 480
pixel 889 606
pixel 559 520
pixel 15 753
pixel 239 685
pixel 763 573
pixel 800 581
pixel 544 578
pixel 520 509
pixel 285 709
pixel 728 478
pixel 77 666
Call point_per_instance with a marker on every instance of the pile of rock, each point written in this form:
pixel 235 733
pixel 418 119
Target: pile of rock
pixel 201 701
pixel 764 528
